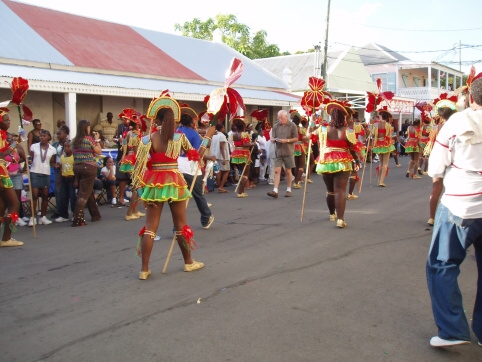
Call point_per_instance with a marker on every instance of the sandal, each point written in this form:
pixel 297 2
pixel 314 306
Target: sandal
pixel 223 191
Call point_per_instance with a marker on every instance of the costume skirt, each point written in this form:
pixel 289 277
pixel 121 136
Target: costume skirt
pixel 163 183
pixel 383 145
pixel 411 146
pixel 240 155
pixel 334 161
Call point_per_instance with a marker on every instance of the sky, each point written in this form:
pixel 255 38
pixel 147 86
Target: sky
pixel 423 30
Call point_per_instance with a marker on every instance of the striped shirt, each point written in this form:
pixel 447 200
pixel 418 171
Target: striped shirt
pixel 85 153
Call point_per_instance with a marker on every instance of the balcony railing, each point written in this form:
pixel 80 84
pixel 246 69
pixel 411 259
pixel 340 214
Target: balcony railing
pixel 421 93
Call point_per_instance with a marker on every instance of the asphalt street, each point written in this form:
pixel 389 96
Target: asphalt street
pixel 273 288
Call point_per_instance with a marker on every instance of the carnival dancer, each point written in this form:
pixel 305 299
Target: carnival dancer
pixel 412 147
pixel 359 148
pixel 444 107
pixel 162 182
pixel 8 197
pixel 126 166
pixel 336 160
pixel 300 150
pixel 425 129
pixel 240 156
pixel 382 143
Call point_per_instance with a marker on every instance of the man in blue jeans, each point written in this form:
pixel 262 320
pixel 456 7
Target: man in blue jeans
pixel 456 156
pixel 188 168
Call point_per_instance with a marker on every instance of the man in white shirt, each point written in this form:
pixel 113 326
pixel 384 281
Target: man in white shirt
pixel 220 149
pixel 456 156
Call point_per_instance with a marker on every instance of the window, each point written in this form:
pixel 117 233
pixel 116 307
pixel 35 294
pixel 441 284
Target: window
pixel 416 81
pixel 405 80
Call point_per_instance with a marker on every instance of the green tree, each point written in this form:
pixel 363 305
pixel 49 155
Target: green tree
pixel 234 34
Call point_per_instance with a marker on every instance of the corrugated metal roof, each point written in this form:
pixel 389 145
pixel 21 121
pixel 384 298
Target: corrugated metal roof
pixel 183 89
pixel 40 37
pixel 21 42
pixel 209 59
pixel 345 71
pixel 99 44
pixel 372 54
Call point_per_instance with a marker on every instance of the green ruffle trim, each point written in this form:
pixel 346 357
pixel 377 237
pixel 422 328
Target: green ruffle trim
pixel 126 167
pixel 333 167
pixel 388 149
pixel 166 193
pixel 238 160
pixel 411 149
pixel 7 183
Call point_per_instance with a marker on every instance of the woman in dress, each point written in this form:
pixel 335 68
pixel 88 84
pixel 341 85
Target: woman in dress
pixel 337 159
pixel 413 149
pixel 42 154
pixel 162 183
pixel 85 149
pixel 8 198
pixel 382 144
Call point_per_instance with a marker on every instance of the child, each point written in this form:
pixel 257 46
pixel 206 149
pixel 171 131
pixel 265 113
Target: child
pixel 67 191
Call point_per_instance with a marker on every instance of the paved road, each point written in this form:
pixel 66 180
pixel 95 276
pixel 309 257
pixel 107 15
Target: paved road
pixel 273 289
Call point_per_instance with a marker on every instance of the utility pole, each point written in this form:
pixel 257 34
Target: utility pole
pixel 326 42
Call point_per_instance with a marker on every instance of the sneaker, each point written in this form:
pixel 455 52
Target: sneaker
pixel 138 213
pixel 26 219
pixel 20 222
pixel 309 181
pixel 340 223
pixel 480 344
pixel 416 177
pixel 288 194
pixel 144 275
pixel 32 221
pixel 157 237
pixel 44 221
pixel 61 219
pixel 431 221
pixel 398 165
pixel 131 217
pixel 297 186
pixel 244 194
pixel 210 221
pixel 420 171
pixel 439 342
pixel 194 266
pixel 333 217
pixel 407 175
pixel 352 197
pixel 273 194
pixel 425 173
pixel 11 242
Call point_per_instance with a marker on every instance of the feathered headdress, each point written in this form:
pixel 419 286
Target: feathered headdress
pixel 445 101
pixel 334 104
pixel 465 88
pixel 260 114
pixel 185 109
pixel 425 109
pixel 294 113
pixel 164 101
pixel 375 99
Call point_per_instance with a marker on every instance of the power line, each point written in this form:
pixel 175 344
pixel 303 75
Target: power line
pixel 463 46
pixel 419 30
